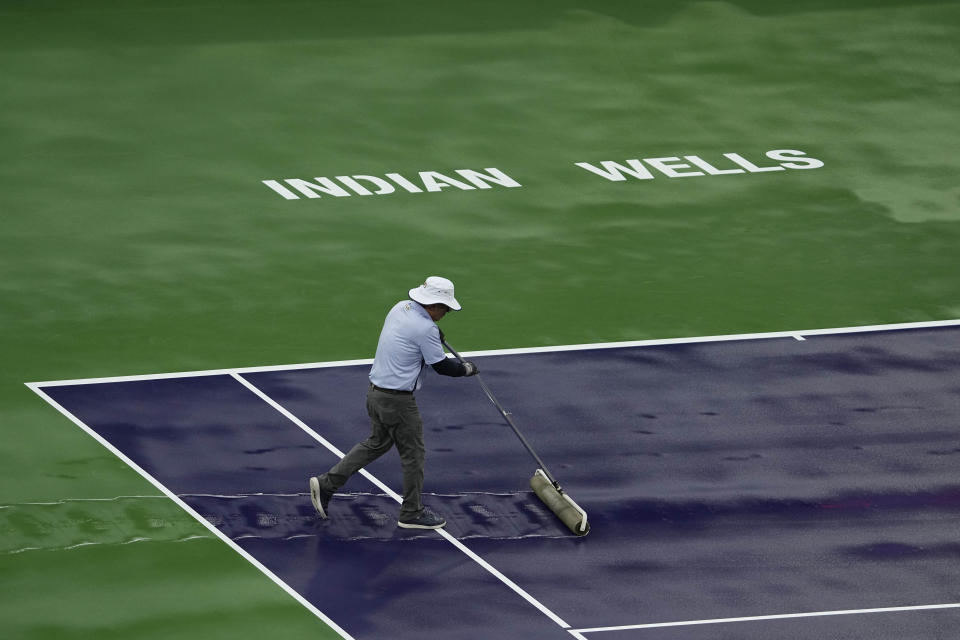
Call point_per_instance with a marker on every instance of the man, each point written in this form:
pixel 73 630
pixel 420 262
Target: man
pixel 409 340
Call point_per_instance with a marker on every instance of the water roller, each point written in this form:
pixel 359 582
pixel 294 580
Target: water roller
pixel 543 483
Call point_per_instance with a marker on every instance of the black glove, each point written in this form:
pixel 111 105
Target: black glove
pixel 471 369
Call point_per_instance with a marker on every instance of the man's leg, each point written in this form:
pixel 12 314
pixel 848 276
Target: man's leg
pixel 363 453
pixel 408 436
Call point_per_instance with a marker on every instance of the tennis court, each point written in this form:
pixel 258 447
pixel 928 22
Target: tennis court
pixel 707 257
pixel 728 479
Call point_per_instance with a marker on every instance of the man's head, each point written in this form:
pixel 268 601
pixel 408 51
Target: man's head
pixel 437 310
pixel 436 296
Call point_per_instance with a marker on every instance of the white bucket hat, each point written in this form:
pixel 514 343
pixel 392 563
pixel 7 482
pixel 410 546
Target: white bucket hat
pixel 435 290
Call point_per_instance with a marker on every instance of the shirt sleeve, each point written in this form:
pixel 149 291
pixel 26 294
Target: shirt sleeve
pixel 430 346
pixel 450 367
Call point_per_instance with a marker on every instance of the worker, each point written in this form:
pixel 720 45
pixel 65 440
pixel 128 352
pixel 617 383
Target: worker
pixel 409 340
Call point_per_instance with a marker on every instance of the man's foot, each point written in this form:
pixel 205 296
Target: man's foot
pixel 426 520
pixel 319 497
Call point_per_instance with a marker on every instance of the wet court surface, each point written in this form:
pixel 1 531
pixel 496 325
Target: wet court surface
pixel 723 479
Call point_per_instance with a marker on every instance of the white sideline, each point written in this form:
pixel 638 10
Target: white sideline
pixel 183 505
pixel 578 633
pixel 796 335
pixel 393 494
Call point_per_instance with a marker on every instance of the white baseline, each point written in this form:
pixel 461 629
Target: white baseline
pixel 796 335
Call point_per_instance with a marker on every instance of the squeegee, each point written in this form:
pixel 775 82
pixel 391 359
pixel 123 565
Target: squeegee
pixel 543 483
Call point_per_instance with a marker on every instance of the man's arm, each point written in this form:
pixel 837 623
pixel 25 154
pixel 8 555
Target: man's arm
pixel 453 368
pixel 443 365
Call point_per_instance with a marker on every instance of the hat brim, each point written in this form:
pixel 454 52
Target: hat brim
pixel 417 294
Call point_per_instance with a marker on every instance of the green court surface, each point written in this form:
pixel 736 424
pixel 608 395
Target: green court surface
pixel 139 236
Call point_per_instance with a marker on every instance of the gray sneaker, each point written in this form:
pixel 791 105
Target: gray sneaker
pixel 319 497
pixel 426 520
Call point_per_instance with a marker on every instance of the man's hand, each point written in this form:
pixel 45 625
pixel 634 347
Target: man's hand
pixel 471 369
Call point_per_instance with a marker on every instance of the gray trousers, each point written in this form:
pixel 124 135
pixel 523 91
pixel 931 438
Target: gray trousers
pixel 394 419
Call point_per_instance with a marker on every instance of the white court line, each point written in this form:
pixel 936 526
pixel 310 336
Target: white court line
pixel 393 494
pixel 183 505
pixel 578 633
pixel 524 350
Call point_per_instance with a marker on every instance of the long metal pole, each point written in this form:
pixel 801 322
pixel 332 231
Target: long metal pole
pixel 506 416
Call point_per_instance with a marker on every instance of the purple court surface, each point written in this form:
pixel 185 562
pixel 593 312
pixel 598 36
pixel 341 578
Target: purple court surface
pixel 729 483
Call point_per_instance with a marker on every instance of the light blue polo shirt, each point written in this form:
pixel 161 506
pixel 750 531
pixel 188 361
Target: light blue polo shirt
pixel 409 339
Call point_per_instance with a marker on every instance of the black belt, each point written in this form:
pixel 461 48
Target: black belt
pixel 394 391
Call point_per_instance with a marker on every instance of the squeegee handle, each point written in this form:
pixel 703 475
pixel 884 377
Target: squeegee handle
pixel 506 416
